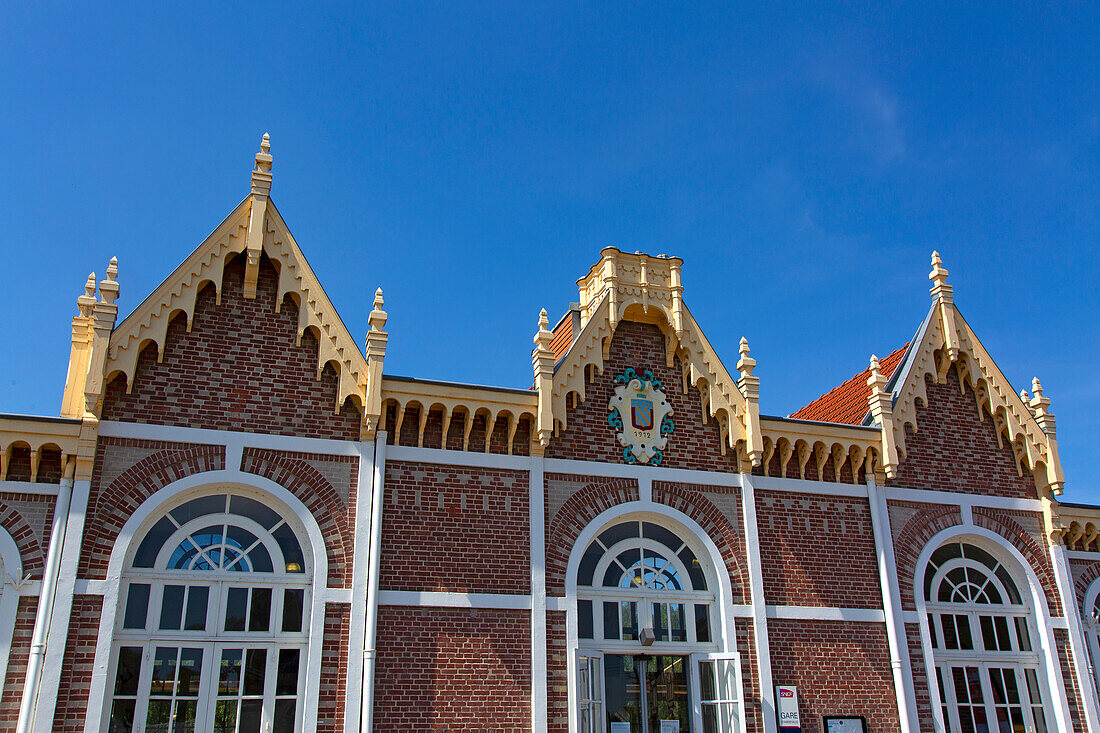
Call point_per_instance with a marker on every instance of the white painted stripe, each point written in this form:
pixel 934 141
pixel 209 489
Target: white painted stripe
pixel 504 601
pixel 654 473
pixel 823 613
pixel 172 434
pixel 26 487
pixel 970 500
pixel 1083 555
pixel 539 674
pixel 457 458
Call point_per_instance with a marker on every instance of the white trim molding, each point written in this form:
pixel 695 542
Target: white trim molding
pixel 759 604
pixel 539 673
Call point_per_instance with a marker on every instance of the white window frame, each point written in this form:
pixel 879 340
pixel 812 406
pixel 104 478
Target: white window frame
pixel 1090 622
pixel 213 639
pixel 591 702
pixel 695 680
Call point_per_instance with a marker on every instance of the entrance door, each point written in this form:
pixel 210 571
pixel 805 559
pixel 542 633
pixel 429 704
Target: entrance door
pixel 647 694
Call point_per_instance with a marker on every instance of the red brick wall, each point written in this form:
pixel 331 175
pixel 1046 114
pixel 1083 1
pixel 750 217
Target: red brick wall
pixel 954 450
pixel 76 672
pixel 446 669
pixel 695 442
pixel 333 515
pixel 817 551
pixel 920 678
pixel 922 522
pixel 750 675
pixel 724 527
pixel 1024 531
pixel 334 669
pixel 1069 679
pixel 12 694
pixel 110 506
pixel 557 674
pixel 238 369
pixel 1084 573
pixel 588 497
pixel 455 529
pixel 32 545
pixel 840 668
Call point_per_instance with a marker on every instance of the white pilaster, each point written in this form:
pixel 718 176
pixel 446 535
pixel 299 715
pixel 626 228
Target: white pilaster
pixel 759 607
pixel 538 597
pixel 353 697
pixel 1078 648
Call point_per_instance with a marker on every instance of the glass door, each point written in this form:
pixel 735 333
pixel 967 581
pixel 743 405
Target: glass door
pixel 647 694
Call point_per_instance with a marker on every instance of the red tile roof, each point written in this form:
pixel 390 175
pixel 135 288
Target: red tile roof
pixel 847 403
pixel 563 337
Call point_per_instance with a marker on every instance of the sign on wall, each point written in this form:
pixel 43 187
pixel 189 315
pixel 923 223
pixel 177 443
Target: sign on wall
pixel 641 415
pixel 786 707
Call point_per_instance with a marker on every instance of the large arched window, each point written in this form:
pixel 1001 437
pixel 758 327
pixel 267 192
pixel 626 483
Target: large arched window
pixel 213 624
pixel 1090 620
pixel 646 628
pixel 982 631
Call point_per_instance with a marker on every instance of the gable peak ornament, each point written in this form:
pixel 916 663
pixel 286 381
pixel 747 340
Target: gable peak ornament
pixel 641 415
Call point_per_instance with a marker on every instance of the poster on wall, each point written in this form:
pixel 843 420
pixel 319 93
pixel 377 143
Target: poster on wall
pixel 670 726
pixel 620 727
pixel 845 724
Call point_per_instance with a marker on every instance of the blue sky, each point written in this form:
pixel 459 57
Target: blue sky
pixel 472 159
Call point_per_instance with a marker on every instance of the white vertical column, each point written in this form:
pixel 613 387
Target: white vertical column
pixel 537 512
pixel 1064 579
pixel 353 695
pixel 374 563
pixel 72 535
pixel 891 607
pixel 759 608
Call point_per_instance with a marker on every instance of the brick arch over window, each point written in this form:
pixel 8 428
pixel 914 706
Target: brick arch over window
pixel 109 507
pixel 580 509
pixel 1081 585
pixel 320 497
pixel 1002 522
pixel 31 552
pixel 913 538
pixel 731 543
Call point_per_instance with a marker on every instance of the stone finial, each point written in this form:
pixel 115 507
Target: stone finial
pixel 377 316
pixel 261 174
pixel 940 289
pixel 874 366
pixel 881 406
pixel 85 302
pixel 1036 387
pixel 109 289
pixel 1024 396
pixel 542 359
pixel 746 363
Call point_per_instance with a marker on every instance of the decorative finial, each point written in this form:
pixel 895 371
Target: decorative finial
pixel 108 289
pixel 1024 396
pixel 1036 387
pixel 377 318
pixel 544 322
pixel 940 289
pixel 87 301
pixel 746 363
pixel 261 175
pixel 874 365
pixel 89 286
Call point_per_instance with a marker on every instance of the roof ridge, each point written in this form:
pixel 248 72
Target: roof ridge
pixel 841 403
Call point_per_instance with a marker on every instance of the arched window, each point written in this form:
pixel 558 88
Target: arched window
pixel 213 624
pixel 1090 620
pixel 646 628
pixel 982 631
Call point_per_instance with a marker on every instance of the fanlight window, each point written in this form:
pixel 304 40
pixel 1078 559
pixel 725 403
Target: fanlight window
pixel 213 629
pixel 988 673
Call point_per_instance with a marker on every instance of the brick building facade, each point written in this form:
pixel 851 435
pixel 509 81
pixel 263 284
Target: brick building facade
pixel 240 523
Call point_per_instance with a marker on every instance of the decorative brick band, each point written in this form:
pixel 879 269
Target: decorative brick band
pixel 31 552
pixel 914 536
pixel 580 509
pixel 109 507
pixel 1082 583
pixel 1007 524
pixel 295 475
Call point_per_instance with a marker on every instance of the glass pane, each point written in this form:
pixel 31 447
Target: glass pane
pixel 629 614
pixel 250 716
pixel 286 683
pixel 122 716
pixel 236 606
pixel 137 606
pixel 225 716
pixel 597 688
pixel 584 619
pixel 727 679
pixel 707 687
pixel 610 620
pixel 147 551
pixel 259 617
pixel 989 637
pixel 694 568
pixel 1022 636
pixel 702 622
pixel 185 716
pixel 255 670
pixel 623 690
pixel 710 719
pixel 660 621
pixel 164 671
pixel 679 623
pixel 667 692
pixel 200 507
pixel 159 715
pixel 197 597
pixel 284 716
pixel 129 670
pixel 294 602
pixel 259 513
pixel 229 676
pixel 171 607
pixel 962 625
pixel 619 532
pixel 589 560
pixel 189 671
pixel 1010 585
pixel 292 551
pixel 1004 641
pixel 950 638
pixel 260 559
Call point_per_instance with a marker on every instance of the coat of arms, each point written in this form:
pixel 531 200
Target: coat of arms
pixel 648 417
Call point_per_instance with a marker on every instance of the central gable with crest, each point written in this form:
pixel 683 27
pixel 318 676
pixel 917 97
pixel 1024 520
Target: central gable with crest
pixel 640 383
